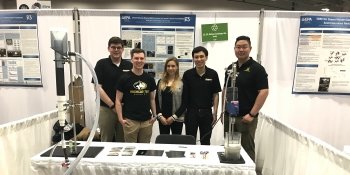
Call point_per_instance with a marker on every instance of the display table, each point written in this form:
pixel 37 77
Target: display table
pixel 114 159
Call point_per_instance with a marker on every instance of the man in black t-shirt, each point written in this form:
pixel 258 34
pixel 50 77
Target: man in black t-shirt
pixel 253 89
pixel 136 90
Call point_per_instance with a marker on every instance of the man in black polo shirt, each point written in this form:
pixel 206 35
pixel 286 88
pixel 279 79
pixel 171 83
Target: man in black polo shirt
pixel 108 71
pixel 252 85
pixel 203 87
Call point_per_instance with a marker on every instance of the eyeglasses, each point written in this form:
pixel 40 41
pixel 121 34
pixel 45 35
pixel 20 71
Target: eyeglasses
pixel 116 48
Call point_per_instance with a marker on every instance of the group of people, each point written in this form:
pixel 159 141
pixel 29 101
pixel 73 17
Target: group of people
pixel 131 100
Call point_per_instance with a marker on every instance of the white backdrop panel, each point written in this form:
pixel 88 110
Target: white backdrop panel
pixel 324 116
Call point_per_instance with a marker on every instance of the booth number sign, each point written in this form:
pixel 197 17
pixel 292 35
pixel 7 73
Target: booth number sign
pixel 214 32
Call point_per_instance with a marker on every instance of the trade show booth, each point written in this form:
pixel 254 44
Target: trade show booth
pixel 299 131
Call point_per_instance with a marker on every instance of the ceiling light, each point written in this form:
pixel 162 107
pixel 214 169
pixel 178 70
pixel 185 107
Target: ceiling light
pixel 325 9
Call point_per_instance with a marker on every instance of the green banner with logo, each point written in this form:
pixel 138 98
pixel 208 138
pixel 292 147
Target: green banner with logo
pixel 214 32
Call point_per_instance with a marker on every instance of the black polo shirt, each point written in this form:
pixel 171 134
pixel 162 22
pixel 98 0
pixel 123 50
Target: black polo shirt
pixel 108 75
pixel 200 89
pixel 251 78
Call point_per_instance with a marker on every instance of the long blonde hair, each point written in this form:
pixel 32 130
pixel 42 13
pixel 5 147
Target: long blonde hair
pixel 165 76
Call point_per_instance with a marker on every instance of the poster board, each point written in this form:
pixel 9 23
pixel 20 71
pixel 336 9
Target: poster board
pixel 161 36
pixel 323 58
pixel 19 50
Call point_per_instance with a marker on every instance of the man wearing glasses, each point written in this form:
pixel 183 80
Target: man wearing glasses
pixel 252 84
pixel 108 71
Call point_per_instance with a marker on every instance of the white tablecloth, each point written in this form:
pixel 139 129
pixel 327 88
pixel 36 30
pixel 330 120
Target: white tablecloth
pixel 148 165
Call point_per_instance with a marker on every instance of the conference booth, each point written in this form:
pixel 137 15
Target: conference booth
pixel 300 131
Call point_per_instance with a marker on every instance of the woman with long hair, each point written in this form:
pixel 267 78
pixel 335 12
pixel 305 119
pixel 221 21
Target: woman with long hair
pixel 170 101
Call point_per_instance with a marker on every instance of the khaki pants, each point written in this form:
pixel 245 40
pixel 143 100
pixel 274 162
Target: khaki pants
pixel 111 129
pixel 138 131
pixel 248 133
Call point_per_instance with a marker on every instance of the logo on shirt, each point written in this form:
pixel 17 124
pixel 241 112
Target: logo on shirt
pixel 208 79
pixel 247 70
pixel 140 85
pixel 140 88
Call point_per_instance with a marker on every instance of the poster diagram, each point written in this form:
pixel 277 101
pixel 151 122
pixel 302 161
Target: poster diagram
pixel 323 59
pixel 161 36
pixel 19 50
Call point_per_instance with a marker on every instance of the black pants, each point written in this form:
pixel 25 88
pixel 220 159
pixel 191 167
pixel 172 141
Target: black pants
pixel 175 127
pixel 201 118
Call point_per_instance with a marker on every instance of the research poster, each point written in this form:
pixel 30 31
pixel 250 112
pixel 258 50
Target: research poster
pixel 161 36
pixel 19 50
pixel 323 59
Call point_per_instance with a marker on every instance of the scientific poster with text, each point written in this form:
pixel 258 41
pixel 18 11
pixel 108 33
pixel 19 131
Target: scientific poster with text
pixel 323 59
pixel 161 36
pixel 19 50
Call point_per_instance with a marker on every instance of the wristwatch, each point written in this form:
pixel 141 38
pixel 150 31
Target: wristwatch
pixel 254 116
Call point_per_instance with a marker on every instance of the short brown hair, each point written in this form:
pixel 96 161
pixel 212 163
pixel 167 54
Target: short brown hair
pixel 115 40
pixel 136 50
